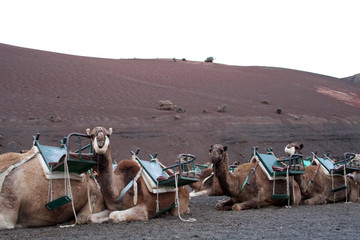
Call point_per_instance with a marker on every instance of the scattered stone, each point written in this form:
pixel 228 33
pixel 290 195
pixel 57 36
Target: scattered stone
pixel 204 111
pixel 56 118
pixel 180 109
pixel 265 101
pixel 279 111
pixel 166 105
pixel 177 117
pixel 222 108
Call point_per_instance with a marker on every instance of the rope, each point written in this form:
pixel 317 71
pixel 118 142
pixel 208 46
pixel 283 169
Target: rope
pixel 345 183
pixel 157 196
pixel 177 201
pixel 50 191
pixel 287 185
pixel 274 183
pixel 332 183
pixel 88 192
pixel 67 184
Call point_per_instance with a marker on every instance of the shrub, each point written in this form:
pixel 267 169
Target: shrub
pixel 209 59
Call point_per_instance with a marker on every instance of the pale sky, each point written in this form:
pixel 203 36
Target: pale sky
pixel 320 36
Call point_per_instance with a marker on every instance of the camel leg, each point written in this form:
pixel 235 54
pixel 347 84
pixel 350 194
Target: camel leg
pixel 318 199
pixel 8 213
pixel 136 213
pixel 98 217
pixel 225 205
pixel 8 219
pixel 246 205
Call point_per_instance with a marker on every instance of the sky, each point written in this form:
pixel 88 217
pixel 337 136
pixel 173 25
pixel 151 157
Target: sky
pixel 319 36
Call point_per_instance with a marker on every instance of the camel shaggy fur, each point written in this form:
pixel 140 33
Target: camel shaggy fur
pixel 25 192
pixel 135 204
pixel 208 185
pixel 254 194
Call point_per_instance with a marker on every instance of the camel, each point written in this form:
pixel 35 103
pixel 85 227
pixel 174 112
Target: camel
pixel 316 185
pixel 208 185
pixel 25 189
pixel 247 187
pixel 123 203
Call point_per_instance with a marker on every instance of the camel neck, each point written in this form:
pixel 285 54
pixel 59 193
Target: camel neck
pixel 222 173
pixel 106 175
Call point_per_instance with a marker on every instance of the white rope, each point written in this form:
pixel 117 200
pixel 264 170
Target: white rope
pixel 274 183
pixel 157 196
pixel 135 187
pixel 332 183
pixel 50 191
pixel 177 201
pixel 287 185
pixel 345 183
pixel 88 191
pixel 68 187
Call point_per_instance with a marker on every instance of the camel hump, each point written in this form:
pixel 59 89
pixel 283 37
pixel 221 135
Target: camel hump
pixel 11 158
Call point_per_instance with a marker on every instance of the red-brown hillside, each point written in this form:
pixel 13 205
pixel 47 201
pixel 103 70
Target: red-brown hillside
pixel 320 111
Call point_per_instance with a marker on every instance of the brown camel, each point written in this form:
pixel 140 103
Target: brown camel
pixel 246 190
pixel 208 185
pixel 317 185
pixel 130 205
pixel 25 189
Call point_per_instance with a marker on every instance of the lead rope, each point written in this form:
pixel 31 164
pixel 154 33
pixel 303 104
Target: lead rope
pixel 345 183
pixel 50 191
pixel 157 196
pixel 177 201
pixel 88 192
pixel 68 190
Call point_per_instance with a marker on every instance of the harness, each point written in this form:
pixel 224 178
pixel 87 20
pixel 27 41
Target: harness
pixel 9 169
pixel 248 178
pixel 129 185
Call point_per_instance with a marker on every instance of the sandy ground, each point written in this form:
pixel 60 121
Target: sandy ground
pixel 330 221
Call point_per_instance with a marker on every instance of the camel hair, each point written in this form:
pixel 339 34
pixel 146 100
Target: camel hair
pixel 254 194
pixel 25 191
pixel 138 204
pixel 316 185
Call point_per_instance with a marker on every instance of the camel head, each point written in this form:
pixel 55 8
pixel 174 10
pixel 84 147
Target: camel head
pixel 100 139
pixel 217 153
pixel 293 148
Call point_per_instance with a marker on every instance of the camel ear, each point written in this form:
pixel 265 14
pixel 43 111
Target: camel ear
pixel 225 148
pixel 110 131
pixel 88 131
pixel 301 146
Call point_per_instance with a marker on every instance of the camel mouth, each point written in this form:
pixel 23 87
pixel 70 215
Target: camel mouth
pixel 100 147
